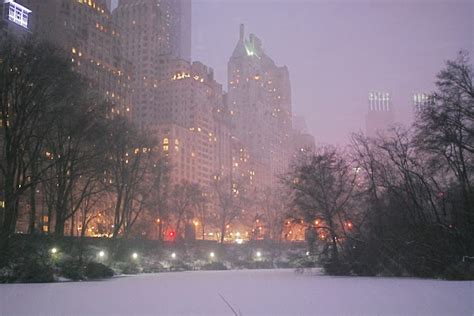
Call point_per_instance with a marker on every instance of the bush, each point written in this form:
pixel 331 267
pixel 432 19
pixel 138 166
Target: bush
pixel 33 271
pixel 337 268
pixel 214 266
pixel 127 267
pixel 461 271
pixel 305 262
pixel 6 275
pixel 180 266
pixel 154 268
pixel 281 264
pixel 72 269
pixel 96 270
pixel 363 269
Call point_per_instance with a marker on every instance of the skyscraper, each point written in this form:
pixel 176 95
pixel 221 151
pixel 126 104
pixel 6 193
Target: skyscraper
pixel 152 38
pixel 420 100
pixel 88 35
pixel 380 114
pixel 164 26
pixel 112 4
pixel 259 97
pixel 15 18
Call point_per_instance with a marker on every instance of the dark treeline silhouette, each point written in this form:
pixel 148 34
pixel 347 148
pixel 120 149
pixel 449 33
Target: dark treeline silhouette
pixel 62 144
pixel 400 203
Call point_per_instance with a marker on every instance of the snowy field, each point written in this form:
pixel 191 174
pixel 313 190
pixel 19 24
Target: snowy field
pixel 249 292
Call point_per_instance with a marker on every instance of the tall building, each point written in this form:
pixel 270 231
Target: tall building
pixel 15 18
pixel 187 96
pixel 162 26
pixel 259 97
pixel 420 100
pixel 380 116
pixel 153 36
pixel 112 4
pixel 87 34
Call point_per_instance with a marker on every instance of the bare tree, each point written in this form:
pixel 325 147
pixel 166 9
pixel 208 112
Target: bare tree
pixel 34 77
pixel 76 146
pixel 184 201
pixel 159 182
pixel 130 159
pixel 275 207
pixel 322 186
pixel 445 128
pixel 231 200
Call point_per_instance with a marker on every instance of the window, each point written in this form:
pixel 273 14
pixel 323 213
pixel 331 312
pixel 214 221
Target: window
pixel 18 14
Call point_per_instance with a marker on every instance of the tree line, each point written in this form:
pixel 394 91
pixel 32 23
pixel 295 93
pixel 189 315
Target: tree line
pixel 67 155
pixel 401 203
pixel 64 145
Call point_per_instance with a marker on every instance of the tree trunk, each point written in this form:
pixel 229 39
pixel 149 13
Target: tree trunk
pixel 32 223
pixel 160 230
pixel 222 231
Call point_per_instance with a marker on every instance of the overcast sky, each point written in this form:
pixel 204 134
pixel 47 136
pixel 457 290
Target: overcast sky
pixel 338 51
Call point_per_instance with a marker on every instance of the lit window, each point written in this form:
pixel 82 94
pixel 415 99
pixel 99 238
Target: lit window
pixel 18 14
pixel 165 141
pixel 165 148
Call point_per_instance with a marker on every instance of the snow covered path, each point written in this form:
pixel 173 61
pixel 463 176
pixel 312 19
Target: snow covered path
pixel 250 292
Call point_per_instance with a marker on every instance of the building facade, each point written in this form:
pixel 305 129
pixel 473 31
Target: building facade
pixel 259 97
pixel 87 35
pixel 380 115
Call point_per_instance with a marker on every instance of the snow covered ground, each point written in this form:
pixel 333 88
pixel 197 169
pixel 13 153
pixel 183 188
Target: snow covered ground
pixel 249 292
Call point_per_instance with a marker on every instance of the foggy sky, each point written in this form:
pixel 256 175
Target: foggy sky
pixel 338 51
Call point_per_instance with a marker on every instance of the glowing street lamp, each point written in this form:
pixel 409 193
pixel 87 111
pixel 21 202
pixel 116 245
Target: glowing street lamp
pixel 101 254
pixel 135 256
pixel 173 255
pixel 212 255
pixel 54 250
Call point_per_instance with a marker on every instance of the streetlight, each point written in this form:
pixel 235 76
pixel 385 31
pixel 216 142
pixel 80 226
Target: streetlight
pixel 135 255
pixel 54 250
pixel 101 254
pixel 173 255
pixel 212 255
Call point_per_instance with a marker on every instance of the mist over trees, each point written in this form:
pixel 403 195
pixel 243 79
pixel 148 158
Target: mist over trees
pixel 401 203
pixel 62 146
pixel 407 193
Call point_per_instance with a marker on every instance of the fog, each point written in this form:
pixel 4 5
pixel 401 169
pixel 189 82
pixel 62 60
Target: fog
pixel 339 51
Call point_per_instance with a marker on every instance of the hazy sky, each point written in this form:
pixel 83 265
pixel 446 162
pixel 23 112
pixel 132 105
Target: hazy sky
pixel 338 51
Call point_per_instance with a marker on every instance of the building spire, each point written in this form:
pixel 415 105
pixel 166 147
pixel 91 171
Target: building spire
pixel 241 32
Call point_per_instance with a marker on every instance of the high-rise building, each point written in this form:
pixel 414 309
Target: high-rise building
pixel 112 4
pixel 162 26
pixel 259 97
pixel 87 34
pixel 153 36
pixel 420 100
pixel 188 96
pixel 380 116
pixel 15 18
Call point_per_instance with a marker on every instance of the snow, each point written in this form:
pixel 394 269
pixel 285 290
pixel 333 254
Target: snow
pixel 249 292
